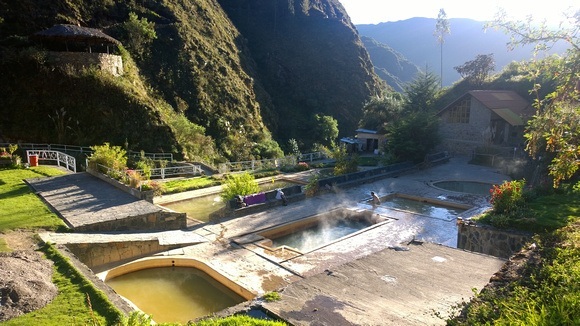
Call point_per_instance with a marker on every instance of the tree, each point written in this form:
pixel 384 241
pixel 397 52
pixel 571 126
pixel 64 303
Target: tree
pixel 421 93
pixel 413 137
pixel 441 29
pixel 140 33
pixel 554 131
pixel 380 111
pixel 476 71
pixel 415 133
pixel 327 129
pixel 345 163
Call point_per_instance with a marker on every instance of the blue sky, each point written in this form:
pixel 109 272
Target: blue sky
pixel 376 11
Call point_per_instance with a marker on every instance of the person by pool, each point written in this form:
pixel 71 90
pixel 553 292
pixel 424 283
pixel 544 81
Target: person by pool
pixel 375 198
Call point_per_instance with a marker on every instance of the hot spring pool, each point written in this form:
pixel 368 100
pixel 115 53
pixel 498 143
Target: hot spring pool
pixel 424 206
pixel 319 230
pixel 202 208
pixel 173 293
pixel 470 187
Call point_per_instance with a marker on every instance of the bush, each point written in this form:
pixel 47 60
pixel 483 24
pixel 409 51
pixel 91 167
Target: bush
pixel 345 163
pixel 507 197
pixel 239 184
pixel 312 187
pixel 272 296
pixel 113 157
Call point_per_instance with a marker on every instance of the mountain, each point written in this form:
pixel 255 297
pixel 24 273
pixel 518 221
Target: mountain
pixel 221 79
pixel 310 60
pixel 390 65
pixel 414 39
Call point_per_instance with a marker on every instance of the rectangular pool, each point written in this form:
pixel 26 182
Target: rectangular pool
pixel 319 230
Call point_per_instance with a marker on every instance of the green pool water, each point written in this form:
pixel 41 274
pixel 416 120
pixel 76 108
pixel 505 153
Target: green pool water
pixel 201 208
pixel 174 294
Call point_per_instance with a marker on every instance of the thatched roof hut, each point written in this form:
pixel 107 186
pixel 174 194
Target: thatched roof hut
pixel 74 37
pixel 73 33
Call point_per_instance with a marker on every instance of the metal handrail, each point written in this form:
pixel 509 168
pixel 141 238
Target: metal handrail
pixel 254 165
pixel 85 149
pixel 49 155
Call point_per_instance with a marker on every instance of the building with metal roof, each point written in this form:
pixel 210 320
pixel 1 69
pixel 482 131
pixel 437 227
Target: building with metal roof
pixel 484 118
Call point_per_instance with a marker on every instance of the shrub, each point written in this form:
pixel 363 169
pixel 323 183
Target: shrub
pixel 113 157
pixel 145 165
pixel 345 163
pixel 157 187
pixel 133 178
pixel 302 166
pixel 272 296
pixel 239 184
pixel 312 187
pixel 507 197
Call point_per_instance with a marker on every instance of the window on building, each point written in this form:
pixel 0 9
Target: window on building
pixel 460 112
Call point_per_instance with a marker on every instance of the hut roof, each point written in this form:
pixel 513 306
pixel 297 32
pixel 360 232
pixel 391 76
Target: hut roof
pixel 73 33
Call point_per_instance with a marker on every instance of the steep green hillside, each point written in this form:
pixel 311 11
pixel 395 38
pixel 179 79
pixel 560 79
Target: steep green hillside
pixel 310 60
pixel 235 87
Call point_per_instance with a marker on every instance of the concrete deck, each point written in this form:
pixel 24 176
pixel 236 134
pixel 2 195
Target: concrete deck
pixel 378 276
pixel 390 287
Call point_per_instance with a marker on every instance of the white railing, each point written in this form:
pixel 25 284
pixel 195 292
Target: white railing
pixel 310 157
pixel 88 150
pixel 175 170
pixel 49 155
pixel 162 173
pixel 269 163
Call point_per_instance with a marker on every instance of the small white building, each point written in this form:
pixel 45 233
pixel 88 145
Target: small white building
pixel 365 141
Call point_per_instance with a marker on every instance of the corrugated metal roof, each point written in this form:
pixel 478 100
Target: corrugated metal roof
pixel 509 116
pixel 366 131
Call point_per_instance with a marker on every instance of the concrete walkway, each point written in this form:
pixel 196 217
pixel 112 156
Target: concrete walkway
pixel 83 200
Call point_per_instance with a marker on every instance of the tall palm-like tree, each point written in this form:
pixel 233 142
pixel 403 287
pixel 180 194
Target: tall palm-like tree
pixel 442 28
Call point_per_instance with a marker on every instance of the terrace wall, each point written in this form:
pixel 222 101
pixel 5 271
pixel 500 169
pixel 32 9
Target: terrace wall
pixel 490 241
pixel 97 254
pixel 110 63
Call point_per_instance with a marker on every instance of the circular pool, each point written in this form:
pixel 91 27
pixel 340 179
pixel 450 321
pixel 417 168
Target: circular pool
pixel 470 187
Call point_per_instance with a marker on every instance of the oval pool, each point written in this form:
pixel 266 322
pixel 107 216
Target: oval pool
pixel 470 187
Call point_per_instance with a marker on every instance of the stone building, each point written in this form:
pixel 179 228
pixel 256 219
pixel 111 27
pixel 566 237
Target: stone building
pixel 484 118
pixel 80 47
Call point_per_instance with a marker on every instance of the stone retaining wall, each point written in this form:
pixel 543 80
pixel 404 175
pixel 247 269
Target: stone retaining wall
pixel 97 254
pixel 490 241
pixel 156 221
pixel 110 63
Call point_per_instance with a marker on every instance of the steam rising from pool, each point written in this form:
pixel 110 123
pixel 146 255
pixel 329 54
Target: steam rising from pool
pixel 324 232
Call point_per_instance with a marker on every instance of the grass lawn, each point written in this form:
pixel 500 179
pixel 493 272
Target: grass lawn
pixel 541 214
pixel 369 160
pixel 556 210
pixel 20 207
pixel 176 186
